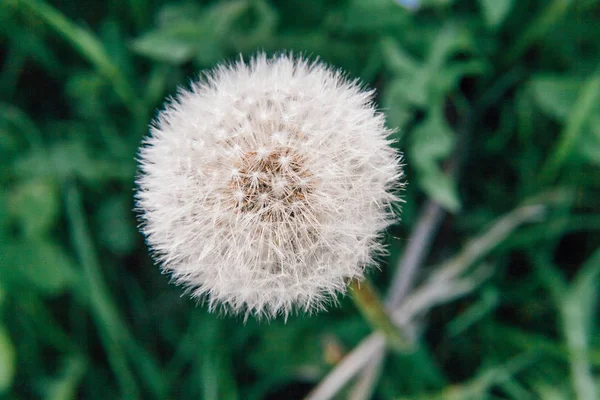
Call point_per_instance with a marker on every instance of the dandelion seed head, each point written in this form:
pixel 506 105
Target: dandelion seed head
pixel 281 191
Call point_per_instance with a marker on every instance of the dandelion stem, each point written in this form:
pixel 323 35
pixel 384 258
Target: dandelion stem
pixel 449 282
pixel 371 307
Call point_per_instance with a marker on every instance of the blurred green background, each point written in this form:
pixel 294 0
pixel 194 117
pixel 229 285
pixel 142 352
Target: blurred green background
pixel 497 102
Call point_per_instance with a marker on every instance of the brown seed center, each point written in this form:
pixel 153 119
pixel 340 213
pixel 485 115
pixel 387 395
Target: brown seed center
pixel 273 183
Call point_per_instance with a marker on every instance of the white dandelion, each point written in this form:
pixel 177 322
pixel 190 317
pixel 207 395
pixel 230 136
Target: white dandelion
pixel 265 187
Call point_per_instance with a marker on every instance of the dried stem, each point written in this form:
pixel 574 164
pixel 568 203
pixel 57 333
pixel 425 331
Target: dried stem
pixel 346 369
pixel 428 223
pixel 369 304
pixel 365 383
pixel 446 284
pixel 419 243
pixel 418 247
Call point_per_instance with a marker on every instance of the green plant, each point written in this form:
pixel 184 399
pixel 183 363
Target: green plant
pixel 497 105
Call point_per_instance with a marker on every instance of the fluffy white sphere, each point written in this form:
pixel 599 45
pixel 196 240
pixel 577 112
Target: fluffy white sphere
pixel 265 186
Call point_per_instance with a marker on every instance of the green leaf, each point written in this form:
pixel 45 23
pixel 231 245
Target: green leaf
pixel 483 381
pixel 495 11
pixel 39 265
pixel 88 45
pixel 172 14
pixel 551 392
pixel 7 360
pixel 436 3
pixel 589 145
pixel 490 299
pixel 2 296
pixel 399 108
pixel 449 77
pixel 555 95
pixel 116 225
pixel 288 349
pixel 254 28
pixel 440 188
pixel 29 43
pixel 450 40
pixel 8 144
pixel 177 44
pixel 414 88
pixel 331 50
pixel 366 17
pixel 68 159
pixel 578 310
pixel 200 37
pixel 431 142
pixel 585 107
pixel 64 386
pixel 423 84
pixel 396 58
pixel 35 204
pixel 5 228
pixel 584 289
pixel 14 119
pixel 87 92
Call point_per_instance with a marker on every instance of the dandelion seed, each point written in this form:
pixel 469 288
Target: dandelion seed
pixel 282 197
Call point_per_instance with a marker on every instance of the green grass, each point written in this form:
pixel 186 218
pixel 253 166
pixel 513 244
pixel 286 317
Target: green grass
pixel 497 104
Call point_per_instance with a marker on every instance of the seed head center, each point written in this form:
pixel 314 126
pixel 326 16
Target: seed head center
pixel 274 183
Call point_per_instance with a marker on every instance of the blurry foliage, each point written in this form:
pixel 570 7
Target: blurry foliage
pixel 513 87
